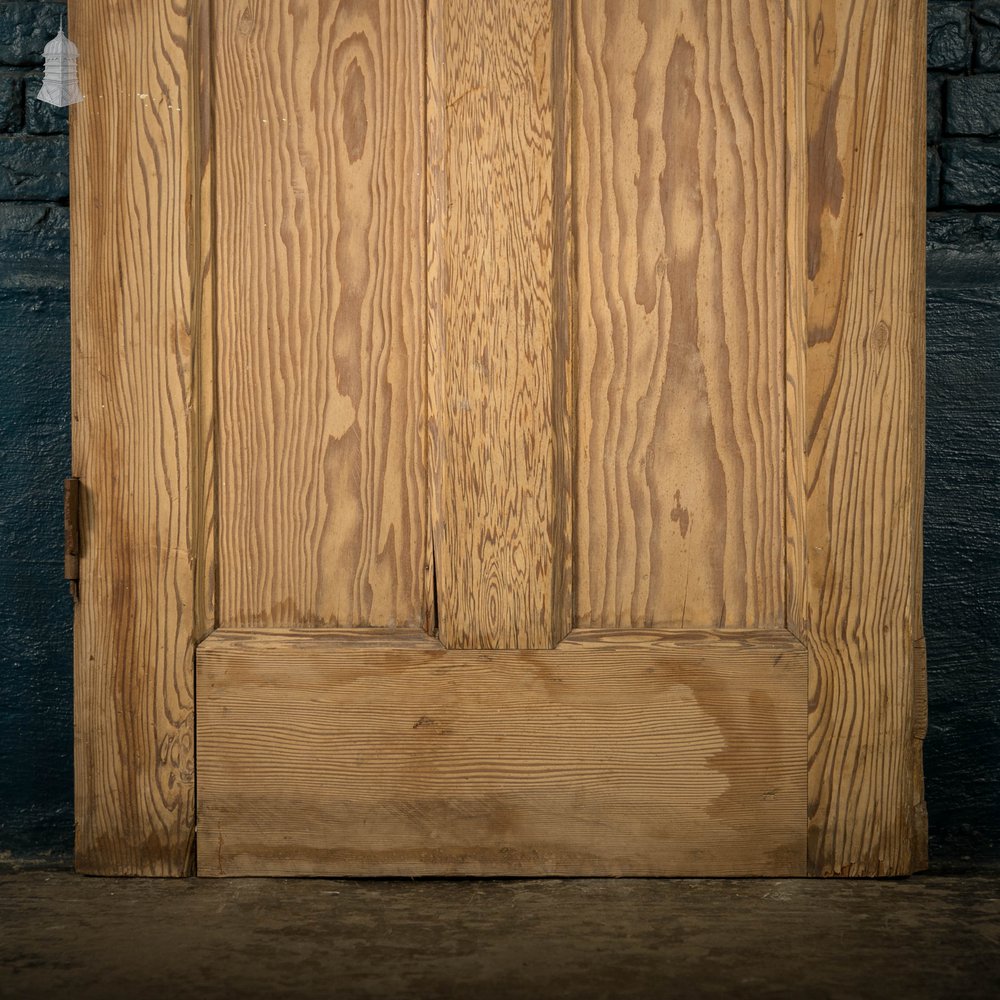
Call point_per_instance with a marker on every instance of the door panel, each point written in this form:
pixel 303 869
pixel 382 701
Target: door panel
pixel 613 754
pixel 678 177
pixel 499 343
pixel 502 745
pixel 319 158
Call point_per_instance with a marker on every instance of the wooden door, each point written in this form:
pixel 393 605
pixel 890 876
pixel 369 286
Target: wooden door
pixel 499 426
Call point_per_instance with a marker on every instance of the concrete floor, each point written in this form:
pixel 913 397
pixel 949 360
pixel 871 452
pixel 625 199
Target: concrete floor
pixel 930 936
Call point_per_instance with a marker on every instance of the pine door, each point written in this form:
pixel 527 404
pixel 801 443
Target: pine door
pixel 499 429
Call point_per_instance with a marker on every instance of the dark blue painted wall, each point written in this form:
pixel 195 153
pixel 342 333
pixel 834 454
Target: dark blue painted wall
pixel 962 522
pixel 962 593
pixel 35 651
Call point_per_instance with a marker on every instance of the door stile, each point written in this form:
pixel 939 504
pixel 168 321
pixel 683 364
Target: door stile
pixel 135 436
pixel 855 389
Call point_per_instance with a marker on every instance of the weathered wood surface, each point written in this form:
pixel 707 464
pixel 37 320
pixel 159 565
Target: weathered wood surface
pixel 678 174
pixel 319 166
pixel 134 443
pixel 618 751
pixel 498 345
pixel 613 754
pixel 855 405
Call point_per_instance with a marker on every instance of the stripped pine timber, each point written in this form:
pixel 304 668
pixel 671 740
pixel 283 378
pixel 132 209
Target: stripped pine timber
pixel 364 303
pixel 855 405
pixel 678 173
pixel 613 754
pixel 135 439
pixel 499 352
pixel 319 202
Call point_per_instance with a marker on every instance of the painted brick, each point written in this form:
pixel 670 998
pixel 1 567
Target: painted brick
pixel 988 48
pixel 25 28
pixel 972 105
pixel 36 727
pixel 10 102
pixel 41 118
pixel 34 246
pixel 933 178
pixel 971 238
pixel 986 15
pixel 934 105
pixel 34 361
pixel 987 12
pixel 949 36
pixel 962 549
pixel 34 168
pixel 963 249
pixel 971 173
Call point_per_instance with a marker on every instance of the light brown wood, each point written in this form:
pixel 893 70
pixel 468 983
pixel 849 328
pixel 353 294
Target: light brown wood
pixel 202 235
pixel 855 396
pixel 319 202
pixel 260 195
pixel 614 754
pixel 134 263
pixel 678 164
pixel 498 350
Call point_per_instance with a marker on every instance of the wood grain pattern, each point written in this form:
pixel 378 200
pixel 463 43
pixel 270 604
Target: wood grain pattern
pixel 678 166
pixel 854 530
pixel 133 264
pixel 260 167
pixel 499 353
pixel 319 157
pixel 202 241
pixel 611 754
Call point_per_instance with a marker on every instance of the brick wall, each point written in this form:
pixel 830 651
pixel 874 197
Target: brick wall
pixel 963 104
pixel 962 522
pixel 35 651
pixel 962 592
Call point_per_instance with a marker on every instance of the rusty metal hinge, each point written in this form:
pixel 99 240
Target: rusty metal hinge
pixel 71 535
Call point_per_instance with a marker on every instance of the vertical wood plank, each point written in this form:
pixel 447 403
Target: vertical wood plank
pixel 498 349
pixel 679 173
pixel 858 410
pixel 319 145
pixel 134 403
pixel 203 453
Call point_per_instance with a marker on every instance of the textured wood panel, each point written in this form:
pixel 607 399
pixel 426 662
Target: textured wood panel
pixel 678 170
pixel 857 406
pixel 499 352
pixel 319 125
pixel 616 753
pixel 135 443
